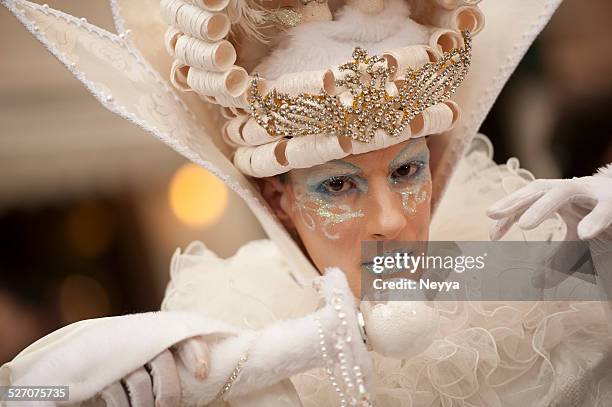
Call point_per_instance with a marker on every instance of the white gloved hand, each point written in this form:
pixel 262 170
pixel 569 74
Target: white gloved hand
pixel 585 204
pixel 260 359
pixel 157 383
pixel 196 370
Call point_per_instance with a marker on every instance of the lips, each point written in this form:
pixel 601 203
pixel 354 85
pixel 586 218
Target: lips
pixel 368 265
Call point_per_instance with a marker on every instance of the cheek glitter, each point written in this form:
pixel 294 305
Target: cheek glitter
pixel 414 190
pixel 328 212
pixel 412 197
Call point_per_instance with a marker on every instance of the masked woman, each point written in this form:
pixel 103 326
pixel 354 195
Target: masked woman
pixel 337 122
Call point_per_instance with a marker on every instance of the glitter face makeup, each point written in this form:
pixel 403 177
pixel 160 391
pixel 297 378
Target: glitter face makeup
pixel 335 193
pixel 330 213
pixel 409 176
pixel 382 195
pixel 326 192
pixel 411 199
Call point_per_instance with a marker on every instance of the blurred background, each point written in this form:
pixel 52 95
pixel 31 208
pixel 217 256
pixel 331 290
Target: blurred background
pixel 92 208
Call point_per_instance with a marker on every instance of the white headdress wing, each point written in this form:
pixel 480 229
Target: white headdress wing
pixel 130 84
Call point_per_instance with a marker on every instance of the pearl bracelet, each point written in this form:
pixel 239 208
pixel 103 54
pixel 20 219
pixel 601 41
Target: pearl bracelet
pixel 356 393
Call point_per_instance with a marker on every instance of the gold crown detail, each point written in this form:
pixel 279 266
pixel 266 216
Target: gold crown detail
pixel 372 107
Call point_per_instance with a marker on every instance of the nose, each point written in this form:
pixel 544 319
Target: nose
pixel 385 217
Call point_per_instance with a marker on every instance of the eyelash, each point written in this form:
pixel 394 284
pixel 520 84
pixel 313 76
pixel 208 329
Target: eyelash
pixel 324 186
pixel 418 164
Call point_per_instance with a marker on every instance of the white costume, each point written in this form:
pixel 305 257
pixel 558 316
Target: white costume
pixel 265 326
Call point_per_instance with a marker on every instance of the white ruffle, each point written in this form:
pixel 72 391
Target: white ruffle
pixel 490 354
pixel 476 184
pixel 251 289
pixel 493 354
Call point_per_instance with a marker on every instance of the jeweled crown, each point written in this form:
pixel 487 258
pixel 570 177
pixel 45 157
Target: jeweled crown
pixel 372 107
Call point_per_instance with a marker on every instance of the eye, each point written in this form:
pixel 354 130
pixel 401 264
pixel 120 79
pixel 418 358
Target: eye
pixel 337 185
pixel 406 170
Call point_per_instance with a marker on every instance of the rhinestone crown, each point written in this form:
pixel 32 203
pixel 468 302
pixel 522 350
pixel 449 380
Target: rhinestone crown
pixel 372 107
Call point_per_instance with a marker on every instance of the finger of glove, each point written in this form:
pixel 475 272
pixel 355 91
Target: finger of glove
pixel 195 355
pixel 519 198
pixel 544 207
pixel 597 221
pixel 166 386
pixel 139 388
pixel 519 204
pixel 571 215
pixel 502 226
pixel 114 396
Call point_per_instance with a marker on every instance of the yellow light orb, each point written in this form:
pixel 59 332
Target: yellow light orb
pixel 197 197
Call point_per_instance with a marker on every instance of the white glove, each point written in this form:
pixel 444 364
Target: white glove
pixel 585 204
pixel 157 383
pixel 289 347
pixel 197 371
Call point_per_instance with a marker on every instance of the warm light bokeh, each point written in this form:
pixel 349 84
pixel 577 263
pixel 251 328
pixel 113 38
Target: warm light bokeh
pixel 197 197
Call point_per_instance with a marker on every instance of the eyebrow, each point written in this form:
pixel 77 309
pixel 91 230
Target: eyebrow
pixel 403 155
pixel 399 159
pixel 330 165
